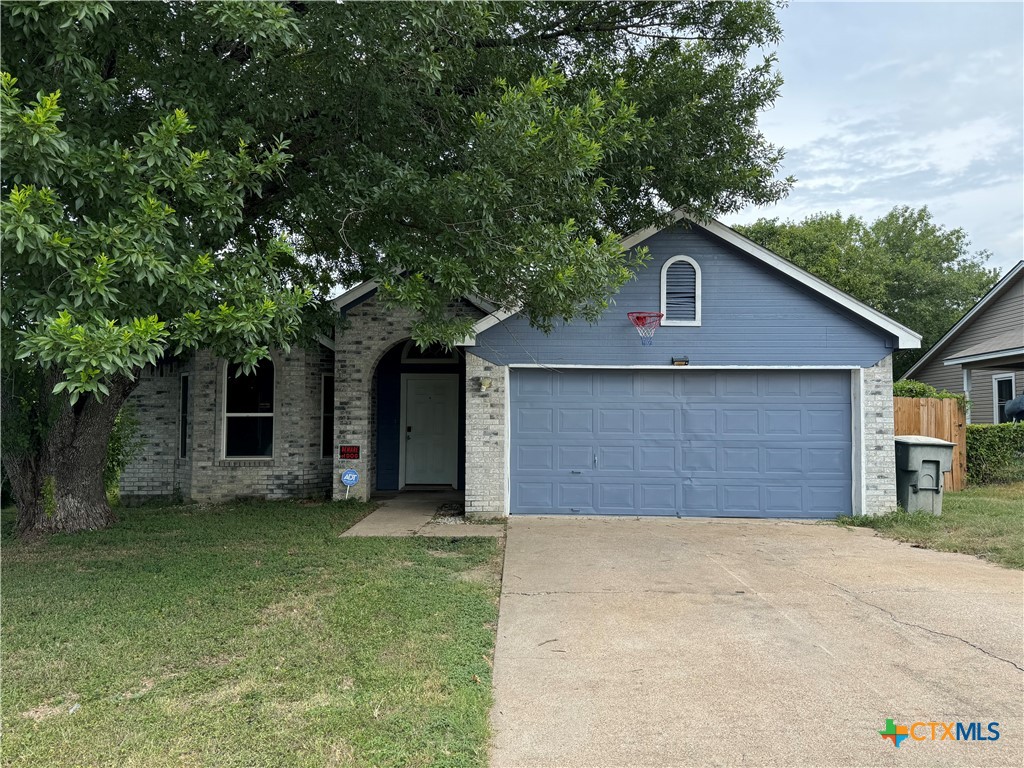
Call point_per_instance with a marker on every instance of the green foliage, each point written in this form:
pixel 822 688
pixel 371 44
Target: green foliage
pixel 995 452
pixel 490 148
pixel 911 388
pixel 124 446
pixel 902 264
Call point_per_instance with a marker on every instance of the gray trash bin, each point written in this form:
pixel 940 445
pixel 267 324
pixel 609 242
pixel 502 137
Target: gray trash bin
pixel 920 462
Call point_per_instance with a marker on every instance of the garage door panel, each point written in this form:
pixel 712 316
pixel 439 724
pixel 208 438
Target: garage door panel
pixel 700 421
pixel 536 420
pixel 738 421
pixel 532 457
pixel 615 421
pixel 782 422
pixel 576 495
pixel 616 458
pixel 741 499
pixel 655 422
pixel 740 459
pixel 657 458
pixel 732 443
pixel 783 500
pixel 575 457
pixel 575 420
pixel 699 459
pixel 738 384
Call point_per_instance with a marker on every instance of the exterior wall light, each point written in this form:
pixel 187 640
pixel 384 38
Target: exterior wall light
pixel 684 360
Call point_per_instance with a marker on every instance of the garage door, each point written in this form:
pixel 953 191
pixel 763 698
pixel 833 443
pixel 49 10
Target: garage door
pixel 681 442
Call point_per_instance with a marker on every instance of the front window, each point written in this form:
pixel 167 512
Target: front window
pixel 1002 387
pixel 249 412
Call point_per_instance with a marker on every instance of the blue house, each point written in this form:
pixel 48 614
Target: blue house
pixel 765 392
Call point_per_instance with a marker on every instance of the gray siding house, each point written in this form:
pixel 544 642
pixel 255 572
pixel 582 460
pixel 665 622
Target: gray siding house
pixel 765 393
pixel 983 354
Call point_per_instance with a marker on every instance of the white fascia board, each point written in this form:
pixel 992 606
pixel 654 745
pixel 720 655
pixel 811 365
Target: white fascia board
pixel 326 342
pixel 983 357
pixel 354 294
pixel 481 325
pixel 983 302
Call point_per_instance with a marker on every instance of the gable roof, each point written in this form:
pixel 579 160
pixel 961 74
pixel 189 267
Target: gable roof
pixel 995 292
pixel 906 338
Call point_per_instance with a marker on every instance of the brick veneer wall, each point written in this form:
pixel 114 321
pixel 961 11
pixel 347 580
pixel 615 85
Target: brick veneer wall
pixel 486 446
pixel 156 470
pixel 879 439
pixel 296 469
pixel 367 333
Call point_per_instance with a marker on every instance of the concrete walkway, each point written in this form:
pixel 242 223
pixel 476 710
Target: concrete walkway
pixel 411 513
pixel 676 643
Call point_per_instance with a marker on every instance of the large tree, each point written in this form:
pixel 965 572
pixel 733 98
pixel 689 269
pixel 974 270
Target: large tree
pixel 903 264
pixel 497 149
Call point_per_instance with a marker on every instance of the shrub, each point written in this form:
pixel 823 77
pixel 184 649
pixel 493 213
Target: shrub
pixel 995 453
pixel 911 388
pixel 124 445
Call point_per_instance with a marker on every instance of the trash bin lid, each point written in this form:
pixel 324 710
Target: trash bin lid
pixel 922 440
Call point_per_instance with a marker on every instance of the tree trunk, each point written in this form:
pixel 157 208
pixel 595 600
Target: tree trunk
pixel 58 488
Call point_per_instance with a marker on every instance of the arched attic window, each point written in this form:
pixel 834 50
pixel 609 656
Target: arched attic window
pixel 249 412
pixel 680 291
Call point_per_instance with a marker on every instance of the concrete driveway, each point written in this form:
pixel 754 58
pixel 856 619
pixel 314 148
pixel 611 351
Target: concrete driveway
pixel 651 642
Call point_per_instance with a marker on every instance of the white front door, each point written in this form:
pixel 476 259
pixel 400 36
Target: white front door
pixel 430 424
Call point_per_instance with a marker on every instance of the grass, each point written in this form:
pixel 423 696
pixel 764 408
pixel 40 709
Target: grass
pixel 247 635
pixel 987 521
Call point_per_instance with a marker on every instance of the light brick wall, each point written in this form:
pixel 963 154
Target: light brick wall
pixel 156 470
pixel 879 439
pixel 368 332
pixel 486 459
pixel 296 469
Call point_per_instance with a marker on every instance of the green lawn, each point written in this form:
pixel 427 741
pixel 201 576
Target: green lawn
pixel 987 521
pixel 247 635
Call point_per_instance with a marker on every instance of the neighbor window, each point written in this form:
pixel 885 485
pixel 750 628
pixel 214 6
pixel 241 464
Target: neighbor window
pixel 327 417
pixel 183 418
pixel 1002 392
pixel 249 412
pixel 680 292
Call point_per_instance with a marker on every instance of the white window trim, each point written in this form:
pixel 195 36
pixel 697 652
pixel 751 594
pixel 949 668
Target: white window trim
pixel 224 418
pixel 323 391
pixel 183 416
pixel 697 281
pixel 996 378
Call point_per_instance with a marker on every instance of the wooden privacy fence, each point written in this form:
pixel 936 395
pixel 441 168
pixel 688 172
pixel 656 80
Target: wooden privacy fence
pixel 936 418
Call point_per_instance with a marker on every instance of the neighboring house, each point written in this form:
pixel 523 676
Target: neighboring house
pixel 983 354
pixel 784 410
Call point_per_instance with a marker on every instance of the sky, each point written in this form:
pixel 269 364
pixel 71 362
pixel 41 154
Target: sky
pixel 915 104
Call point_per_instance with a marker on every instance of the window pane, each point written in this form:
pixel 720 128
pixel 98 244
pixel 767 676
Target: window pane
pixel 327 422
pixel 681 292
pixel 1004 393
pixel 183 420
pixel 253 393
pixel 249 436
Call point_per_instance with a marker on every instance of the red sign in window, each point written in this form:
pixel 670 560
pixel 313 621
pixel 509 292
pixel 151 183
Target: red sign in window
pixel 348 452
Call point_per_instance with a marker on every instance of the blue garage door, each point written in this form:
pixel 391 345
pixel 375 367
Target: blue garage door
pixel 681 442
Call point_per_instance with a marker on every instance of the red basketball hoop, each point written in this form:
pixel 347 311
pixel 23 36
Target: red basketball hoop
pixel 646 324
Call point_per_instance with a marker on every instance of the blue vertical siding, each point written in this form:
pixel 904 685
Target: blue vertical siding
pixel 751 315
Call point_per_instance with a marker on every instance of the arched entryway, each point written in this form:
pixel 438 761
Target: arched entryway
pixel 419 416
